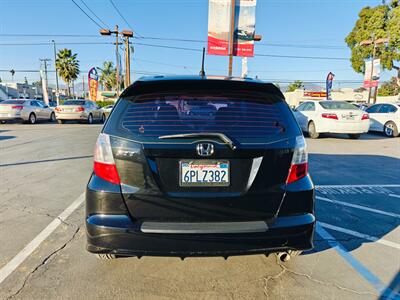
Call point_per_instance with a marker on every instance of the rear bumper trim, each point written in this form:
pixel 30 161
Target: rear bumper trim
pixel 208 227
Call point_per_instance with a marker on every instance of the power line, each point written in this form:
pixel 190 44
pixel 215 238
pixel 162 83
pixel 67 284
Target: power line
pixel 87 14
pixel 122 17
pixel 101 21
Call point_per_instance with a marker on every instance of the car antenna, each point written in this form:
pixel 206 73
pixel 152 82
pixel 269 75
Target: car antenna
pixel 202 72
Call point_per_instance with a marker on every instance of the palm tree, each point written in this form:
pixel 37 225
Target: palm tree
pixel 67 67
pixel 107 77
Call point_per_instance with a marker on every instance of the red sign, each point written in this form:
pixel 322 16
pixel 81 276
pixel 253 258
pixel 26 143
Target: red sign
pixel 315 94
pixel 368 83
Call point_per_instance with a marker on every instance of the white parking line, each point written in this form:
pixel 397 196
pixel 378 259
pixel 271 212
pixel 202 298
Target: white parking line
pixel 361 235
pixel 34 244
pixel 393 195
pixel 359 207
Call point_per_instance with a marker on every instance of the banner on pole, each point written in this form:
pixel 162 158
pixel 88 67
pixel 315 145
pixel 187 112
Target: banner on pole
pixel 219 14
pixel 218 27
pixel 372 71
pixel 93 82
pixel 329 83
pixel 245 26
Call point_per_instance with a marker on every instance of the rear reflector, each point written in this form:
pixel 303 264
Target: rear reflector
pixel 299 166
pixel 330 116
pixel 19 107
pixel 365 117
pixel 104 164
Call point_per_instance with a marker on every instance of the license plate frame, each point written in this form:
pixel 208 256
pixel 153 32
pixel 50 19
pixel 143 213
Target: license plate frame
pixel 224 165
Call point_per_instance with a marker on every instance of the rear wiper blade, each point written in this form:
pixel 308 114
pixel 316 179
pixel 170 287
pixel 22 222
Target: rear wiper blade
pixel 221 136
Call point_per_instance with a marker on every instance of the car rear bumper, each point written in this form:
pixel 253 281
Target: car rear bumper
pixel 341 127
pixel 117 234
pixel 71 116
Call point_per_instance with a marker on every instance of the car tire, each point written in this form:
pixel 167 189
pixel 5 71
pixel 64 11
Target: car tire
pixel 60 121
pixel 354 136
pixel 90 119
pixel 32 118
pixel 312 132
pixel 52 117
pixel 390 129
pixel 106 256
pixel 103 118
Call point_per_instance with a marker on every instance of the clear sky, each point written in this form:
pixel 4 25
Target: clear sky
pixel 291 27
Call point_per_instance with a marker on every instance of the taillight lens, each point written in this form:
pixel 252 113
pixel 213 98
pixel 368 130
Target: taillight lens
pixel 330 116
pixel 18 107
pixel 365 117
pixel 79 109
pixel 104 164
pixel 299 165
pixel 58 109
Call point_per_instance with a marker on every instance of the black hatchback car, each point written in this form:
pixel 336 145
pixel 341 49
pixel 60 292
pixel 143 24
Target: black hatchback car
pixel 167 182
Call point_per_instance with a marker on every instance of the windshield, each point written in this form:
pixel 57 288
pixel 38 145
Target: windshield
pixel 74 102
pixel 240 118
pixel 337 105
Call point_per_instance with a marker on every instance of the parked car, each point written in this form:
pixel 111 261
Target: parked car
pixel 166 184
pixel 361 105
pixel 26 110
pixel 107 110
pixel 79 110
pixel 385 117
pixel 327 116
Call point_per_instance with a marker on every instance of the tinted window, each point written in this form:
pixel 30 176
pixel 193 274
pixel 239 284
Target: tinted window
pixel 387 108
pixel 302 106
pixel 373 109
pixel 13 102
pixel 337 105
pixel 310 106
pixel 74 102
pixel 243 119
pixel 34 103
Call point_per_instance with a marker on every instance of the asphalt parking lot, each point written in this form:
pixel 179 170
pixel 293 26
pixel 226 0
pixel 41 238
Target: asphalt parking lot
pixel 43 172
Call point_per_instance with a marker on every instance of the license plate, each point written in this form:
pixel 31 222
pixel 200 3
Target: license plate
pixel 204 173
pixel 348 117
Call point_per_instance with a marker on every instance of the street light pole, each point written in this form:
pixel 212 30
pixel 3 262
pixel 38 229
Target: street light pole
pixel 55 67
pixel 126 34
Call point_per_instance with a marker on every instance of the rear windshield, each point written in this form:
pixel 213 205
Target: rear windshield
pixel 13 102
pixel 243 119
pixel 337 105
pixel 74 102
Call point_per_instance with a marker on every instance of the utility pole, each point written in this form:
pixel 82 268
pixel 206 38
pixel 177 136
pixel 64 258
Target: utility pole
pixel 373 42
pixel 55 67
pixel 126 34
pixel 231 37
pixel 83 87
pixel 44 84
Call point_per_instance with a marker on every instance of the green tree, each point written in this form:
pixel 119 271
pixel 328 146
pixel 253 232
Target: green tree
pixel 107 76
pixel 389 88
pixel 67 66
pixel 378 22
pixel 297 84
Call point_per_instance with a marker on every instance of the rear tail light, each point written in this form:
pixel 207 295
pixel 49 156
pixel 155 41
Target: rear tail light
pixel 104 164
pixel 79 109
pixel 58 109
pixel 299 166
pixel 330 116
pixel 18 107
pixel 365 117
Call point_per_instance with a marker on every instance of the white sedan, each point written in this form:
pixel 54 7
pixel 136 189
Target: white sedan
pixel 328 116
pixel 385 117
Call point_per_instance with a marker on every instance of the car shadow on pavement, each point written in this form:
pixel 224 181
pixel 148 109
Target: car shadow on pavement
pixel 365 136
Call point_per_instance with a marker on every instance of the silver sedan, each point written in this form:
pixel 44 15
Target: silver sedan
pixel 79 110
pixel 27 110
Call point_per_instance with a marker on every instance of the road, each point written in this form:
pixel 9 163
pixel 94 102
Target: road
pixel 44 168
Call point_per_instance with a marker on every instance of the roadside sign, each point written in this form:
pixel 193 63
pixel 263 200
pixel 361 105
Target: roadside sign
pixel 373 69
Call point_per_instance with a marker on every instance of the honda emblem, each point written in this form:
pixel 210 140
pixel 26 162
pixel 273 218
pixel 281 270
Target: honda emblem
pixel 205 149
